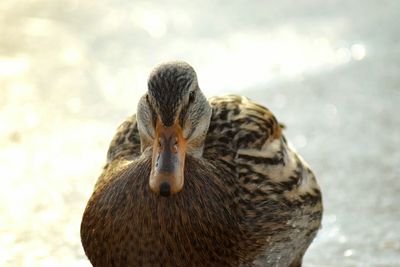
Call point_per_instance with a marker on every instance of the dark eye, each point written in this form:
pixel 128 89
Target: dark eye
pixel 192 96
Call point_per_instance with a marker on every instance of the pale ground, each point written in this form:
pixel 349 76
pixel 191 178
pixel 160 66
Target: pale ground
pixel 70 71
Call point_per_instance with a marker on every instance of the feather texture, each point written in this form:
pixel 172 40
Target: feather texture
pixel 250 200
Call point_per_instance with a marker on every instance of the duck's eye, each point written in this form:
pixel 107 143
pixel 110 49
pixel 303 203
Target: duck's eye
pixel 192 96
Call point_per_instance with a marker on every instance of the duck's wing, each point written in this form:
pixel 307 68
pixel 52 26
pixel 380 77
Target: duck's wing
pixel 277 191
pixel 248 138
pixel 125 144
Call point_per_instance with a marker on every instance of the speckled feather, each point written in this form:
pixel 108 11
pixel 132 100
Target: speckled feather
pixel 249 201
pixel 170 82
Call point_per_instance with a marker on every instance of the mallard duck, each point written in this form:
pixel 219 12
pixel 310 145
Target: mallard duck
pixel 197 182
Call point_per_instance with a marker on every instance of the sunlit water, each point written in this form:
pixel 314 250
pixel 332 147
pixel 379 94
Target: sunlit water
pixel 70 71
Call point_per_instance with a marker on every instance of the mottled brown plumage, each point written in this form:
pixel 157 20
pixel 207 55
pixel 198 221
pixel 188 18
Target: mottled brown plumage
pixel 248 199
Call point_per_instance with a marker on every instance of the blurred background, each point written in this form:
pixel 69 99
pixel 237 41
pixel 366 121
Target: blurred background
pixel 71 71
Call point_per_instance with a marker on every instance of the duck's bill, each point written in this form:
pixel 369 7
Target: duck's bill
pixel 168 160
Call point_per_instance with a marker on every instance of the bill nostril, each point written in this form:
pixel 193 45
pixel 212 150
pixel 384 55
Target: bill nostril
pixel 165 189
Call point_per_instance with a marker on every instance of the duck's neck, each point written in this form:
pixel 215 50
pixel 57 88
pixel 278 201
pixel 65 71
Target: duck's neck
pixel 195 147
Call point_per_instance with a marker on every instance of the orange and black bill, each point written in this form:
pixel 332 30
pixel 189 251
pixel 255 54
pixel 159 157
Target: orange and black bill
pixel 168 160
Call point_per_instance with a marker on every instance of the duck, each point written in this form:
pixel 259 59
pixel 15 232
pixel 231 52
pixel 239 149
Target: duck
pixel 191 181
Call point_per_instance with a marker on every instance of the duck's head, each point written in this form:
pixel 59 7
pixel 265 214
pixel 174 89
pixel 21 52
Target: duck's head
pixel 173 119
